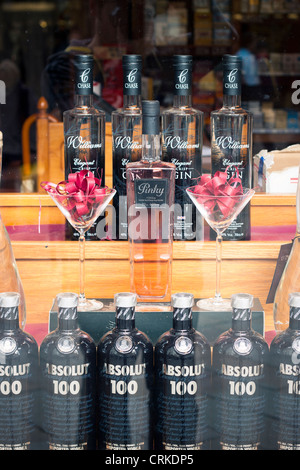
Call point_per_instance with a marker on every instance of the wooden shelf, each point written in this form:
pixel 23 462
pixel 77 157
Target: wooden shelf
pixel 50 267
pixel 47 268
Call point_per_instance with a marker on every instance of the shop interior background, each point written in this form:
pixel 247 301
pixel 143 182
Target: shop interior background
pixel 32 32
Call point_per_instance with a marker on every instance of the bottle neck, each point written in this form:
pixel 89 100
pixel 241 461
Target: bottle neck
pixel 132 101
pixel 9 318
pixel 125 319
pixel 182 101
pixel 241 319
pixel 150 147
pixel 294 322
pixel 82 101
pixel 232 101
pixel 67 319
pixel 182 319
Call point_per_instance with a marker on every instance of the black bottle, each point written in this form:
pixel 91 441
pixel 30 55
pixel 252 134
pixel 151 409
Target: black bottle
pixel 125 379
pixel 126 137
pixel 68 382
pixel 18 378
pixel 285 380
pixel 240 360
pixel 182 382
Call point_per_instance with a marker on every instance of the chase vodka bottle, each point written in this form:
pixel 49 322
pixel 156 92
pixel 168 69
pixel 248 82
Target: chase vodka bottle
pixel 240 361
pixel 18 378
pixel 127 137
pixel 182 382
pixel 231 141
pixel 125 378
pixel 84 131
pixel 182 138
pixel 285 379
pixel 68 382
pixel 150 200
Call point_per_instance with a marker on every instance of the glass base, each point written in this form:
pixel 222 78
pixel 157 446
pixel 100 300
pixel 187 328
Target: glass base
pixel 214 304
pixel 89 305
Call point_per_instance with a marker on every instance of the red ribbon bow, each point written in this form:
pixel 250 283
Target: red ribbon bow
pixel 217 191
pixel 81 191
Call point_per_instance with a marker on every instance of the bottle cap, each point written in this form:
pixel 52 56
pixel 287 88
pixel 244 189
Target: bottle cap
pixel 132 60
pixel 9 299
pixel 232 60
pixel 151 108
pixel 242 301
pixel 84 60
pixel 294 299
pixel 67 300
pixel 182 60
pixel 125 299
pixel 182 300
pixel 151 115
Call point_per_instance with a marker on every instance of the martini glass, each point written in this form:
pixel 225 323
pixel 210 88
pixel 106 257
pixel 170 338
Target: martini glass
pixel 219 212
pixel 81 212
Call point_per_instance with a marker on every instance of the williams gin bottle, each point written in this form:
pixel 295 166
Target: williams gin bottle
pixel 18 378
pixel 84 132
pixel 231 142
pixel 182 381
pixel 182 138
pixel 150 200
pixel 285 380
pixel 125 377
pixel 127 138
pixel 68 382
pixel 240 360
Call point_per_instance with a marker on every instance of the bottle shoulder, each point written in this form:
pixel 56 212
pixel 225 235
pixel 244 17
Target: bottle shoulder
pixel 132 111
pixel 226 341
pixel 284 340
pixel 148 165
pixel 182 111
pixel 22 338
pixel 83 111
pixel 234 111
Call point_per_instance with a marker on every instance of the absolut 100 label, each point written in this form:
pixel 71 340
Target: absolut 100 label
pixel 181 402
pixel 286 403
pixel 16 406
pixel 68 405
pixel 240 405
pixel 125 406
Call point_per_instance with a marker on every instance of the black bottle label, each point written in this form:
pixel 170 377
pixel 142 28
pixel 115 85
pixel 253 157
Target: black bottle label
pixel 68 403
pixel 239 403
pixel 125 405
pixel 16 402
pixel 286 402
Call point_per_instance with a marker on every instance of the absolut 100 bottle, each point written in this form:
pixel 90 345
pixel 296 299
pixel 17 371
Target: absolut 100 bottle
pixel 182 139
pixel 84 132
pixel 18 378
pixel 231 141
pixel 127 137
pixel 125 378
pixel 285 380
pixel 240 358
pixel 68 380
pixel 182 381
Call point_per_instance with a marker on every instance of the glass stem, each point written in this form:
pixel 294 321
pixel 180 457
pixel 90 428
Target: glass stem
pixel 81 266
pixel 218 267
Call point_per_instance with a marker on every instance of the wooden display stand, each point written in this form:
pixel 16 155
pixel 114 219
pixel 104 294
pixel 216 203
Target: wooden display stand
pixel 47 268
